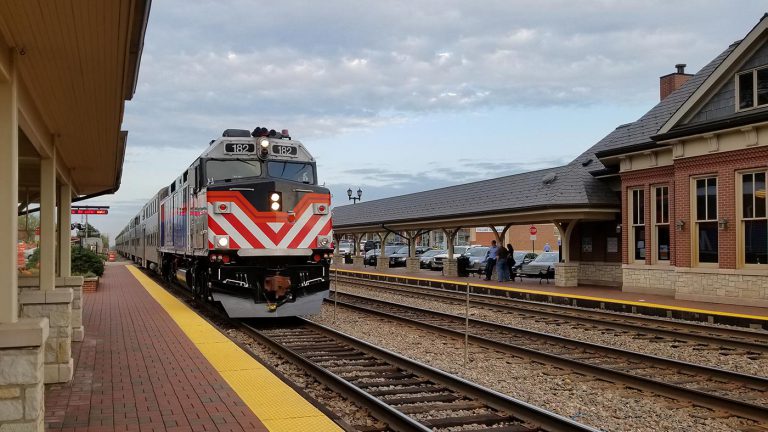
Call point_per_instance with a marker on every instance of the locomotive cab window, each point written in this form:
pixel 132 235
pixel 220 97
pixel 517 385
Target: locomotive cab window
pixel 221 169
pixel 298 172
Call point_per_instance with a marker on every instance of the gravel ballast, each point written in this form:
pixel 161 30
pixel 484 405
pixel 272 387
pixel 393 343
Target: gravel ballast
pixel 596 403
pixel 664 348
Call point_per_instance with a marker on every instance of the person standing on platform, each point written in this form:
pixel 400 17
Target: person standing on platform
pixel 510 259
pixel 547 247
pixel 490 259
pixel 502 268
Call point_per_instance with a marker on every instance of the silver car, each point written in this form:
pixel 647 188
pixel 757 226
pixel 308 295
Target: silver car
pixel 427 258
pixel 546 260
pixel 437 263
pixel 476 257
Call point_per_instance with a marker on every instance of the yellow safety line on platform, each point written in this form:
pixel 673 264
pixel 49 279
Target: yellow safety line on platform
pixel 568 295
pixel 278 406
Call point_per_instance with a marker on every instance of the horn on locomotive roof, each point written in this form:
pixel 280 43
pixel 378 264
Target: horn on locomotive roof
pixel 260 132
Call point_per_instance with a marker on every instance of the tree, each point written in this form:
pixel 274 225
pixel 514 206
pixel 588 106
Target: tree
pixel 27 225
pixel 105 241
pixel 92 231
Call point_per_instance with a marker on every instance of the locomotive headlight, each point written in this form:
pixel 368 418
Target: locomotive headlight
pixel 275 199
pixel 222 241
pixel 264 150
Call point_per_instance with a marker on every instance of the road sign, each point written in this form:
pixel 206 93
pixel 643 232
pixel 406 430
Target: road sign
pixel 533 236
pixel 533 230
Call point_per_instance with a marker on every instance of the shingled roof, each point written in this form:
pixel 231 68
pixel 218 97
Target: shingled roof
pixel 572 185
pixel 569 185
pixel 639 133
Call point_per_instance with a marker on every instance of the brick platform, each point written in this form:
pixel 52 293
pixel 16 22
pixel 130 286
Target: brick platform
pixel 136 371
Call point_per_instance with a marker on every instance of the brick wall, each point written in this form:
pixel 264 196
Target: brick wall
pixel 724 166
pixel 646 179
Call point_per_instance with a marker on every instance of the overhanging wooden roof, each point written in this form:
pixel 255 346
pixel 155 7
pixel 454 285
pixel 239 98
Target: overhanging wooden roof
pixel 77 62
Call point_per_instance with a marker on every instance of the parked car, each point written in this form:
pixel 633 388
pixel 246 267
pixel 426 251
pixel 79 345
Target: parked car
pixel 398 258
pixel 476 257
pixel 345 248
pixel 546 260
pixel 521 257
pixel 421 249
pixel 371 255
pixel 437 262
pixel 426 259
pixel 371 244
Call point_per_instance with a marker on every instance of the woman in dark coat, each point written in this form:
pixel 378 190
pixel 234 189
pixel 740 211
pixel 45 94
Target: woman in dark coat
pixel 511 260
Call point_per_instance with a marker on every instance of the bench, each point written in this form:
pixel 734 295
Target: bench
pixel 547 274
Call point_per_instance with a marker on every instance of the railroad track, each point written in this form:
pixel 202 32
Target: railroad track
pixel 730 341
pixel 405 394
pixel 716 389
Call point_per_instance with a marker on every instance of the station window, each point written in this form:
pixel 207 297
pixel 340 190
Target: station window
pixel 752 88
pixel 706 235
pixel 754 222
pixel 637 231
pixel 661 223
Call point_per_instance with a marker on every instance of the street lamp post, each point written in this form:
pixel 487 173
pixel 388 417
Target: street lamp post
pixel 353 198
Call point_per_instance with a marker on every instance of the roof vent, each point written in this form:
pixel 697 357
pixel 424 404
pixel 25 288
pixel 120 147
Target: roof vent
pixel 549 178
pixel 586 162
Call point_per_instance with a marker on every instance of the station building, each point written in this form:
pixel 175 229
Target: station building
pixel 673 203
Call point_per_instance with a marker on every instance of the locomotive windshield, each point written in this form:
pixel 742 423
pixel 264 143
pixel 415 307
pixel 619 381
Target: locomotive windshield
pixel 296 171
pixel 231 169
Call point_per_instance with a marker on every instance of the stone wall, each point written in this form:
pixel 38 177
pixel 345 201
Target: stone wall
pixel 739 287
pixel 412 264
pixel 56 306
pixel 21 375
pixel 600 273
pixel 76 284
pixel 567 274
pixel 659 280
pixel 450 267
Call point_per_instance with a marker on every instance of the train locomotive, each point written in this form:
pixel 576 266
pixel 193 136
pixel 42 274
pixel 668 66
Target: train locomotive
pixel 245 226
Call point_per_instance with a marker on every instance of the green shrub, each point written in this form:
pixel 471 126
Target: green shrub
pixel 84 261
pixel 34 259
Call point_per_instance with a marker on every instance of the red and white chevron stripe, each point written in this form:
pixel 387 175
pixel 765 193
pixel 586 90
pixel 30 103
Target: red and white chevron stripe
pixel 249 228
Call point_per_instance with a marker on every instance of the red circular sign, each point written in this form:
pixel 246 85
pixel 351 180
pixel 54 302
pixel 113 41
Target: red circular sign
pixel 533 230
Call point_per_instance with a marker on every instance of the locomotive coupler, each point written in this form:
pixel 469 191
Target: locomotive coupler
pixel 279 286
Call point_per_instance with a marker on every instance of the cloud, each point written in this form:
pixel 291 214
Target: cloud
pixel 331 67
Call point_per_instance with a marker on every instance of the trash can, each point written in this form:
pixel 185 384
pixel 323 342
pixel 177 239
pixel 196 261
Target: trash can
pixel 462 263
pixel 348 258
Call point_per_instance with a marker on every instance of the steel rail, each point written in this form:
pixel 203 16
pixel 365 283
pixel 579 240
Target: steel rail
pixel 712 401
pixel 523 411
pixel 752 341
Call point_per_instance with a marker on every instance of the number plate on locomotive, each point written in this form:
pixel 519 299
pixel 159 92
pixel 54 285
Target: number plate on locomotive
pixel 239 148
pixel 284 150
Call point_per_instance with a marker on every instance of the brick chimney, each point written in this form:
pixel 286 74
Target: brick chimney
pixel 673 81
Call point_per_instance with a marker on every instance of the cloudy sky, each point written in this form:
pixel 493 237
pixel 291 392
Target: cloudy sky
pixel 403 96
